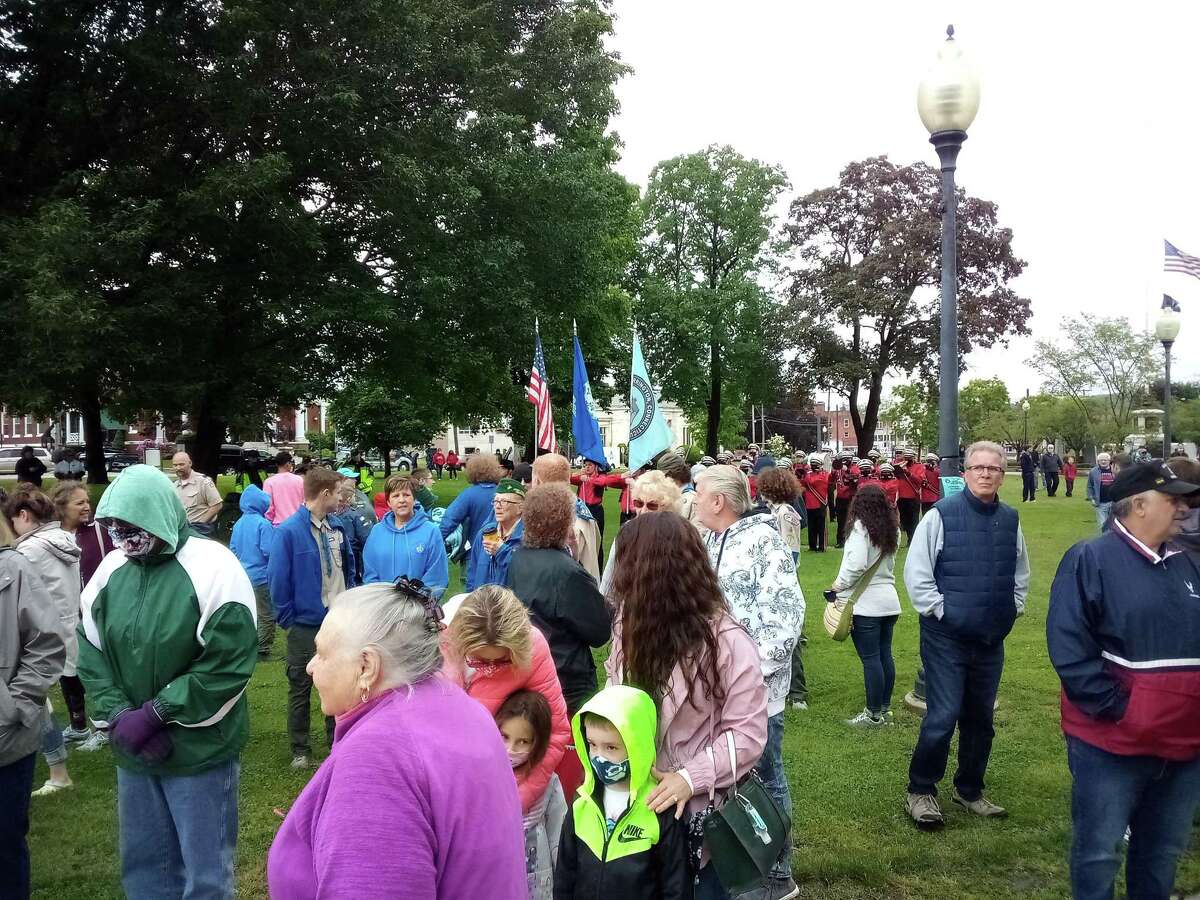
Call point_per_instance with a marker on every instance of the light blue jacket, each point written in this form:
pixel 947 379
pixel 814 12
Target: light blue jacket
pixel 414 550
pixel 253 535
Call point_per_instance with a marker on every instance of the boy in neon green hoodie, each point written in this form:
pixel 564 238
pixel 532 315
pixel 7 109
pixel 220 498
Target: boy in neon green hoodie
pixel 613 845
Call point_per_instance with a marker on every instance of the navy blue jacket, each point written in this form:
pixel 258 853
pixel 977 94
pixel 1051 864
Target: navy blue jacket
pixel 1123 631
pixel 294 570
pixel 976 570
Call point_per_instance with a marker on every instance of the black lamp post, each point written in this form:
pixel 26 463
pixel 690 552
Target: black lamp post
pixel 1025 409
pixel 947 100
pixel 1167 329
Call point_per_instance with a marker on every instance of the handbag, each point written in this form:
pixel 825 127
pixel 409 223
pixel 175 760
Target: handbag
pixel 746 833
pixel 839 615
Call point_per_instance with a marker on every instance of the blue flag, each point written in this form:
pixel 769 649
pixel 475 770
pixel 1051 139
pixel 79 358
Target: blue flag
pixel 584 426
pixel 648 431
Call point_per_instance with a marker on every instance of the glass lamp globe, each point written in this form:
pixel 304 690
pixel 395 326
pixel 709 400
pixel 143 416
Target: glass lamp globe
pixel 1167 326
pixel 948 96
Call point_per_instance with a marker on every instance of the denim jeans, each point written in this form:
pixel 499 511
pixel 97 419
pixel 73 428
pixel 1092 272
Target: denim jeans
pixel 54 748
pixel 872 636
pixel 16 783
pixel 1028 486
pixel 266 618
pixel 798 688
pixel 961 680
pixel 770 770
pixel 178 833
pixel 1102 511
pixel 1154 797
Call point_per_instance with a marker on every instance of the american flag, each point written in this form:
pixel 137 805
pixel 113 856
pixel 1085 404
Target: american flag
pixel 538 393
pixel 1178 261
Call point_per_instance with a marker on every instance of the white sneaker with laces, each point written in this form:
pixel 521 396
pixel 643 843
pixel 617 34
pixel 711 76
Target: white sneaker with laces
pixel 867 720
pixel 71 735
pixel 95 742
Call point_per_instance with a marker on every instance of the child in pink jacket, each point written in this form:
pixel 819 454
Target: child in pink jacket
pixel 491 651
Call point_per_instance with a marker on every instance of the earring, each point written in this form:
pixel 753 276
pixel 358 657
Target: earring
pixel 366 693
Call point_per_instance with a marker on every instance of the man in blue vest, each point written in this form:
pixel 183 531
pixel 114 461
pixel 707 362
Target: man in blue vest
pixel 967 574
pixel 1122 631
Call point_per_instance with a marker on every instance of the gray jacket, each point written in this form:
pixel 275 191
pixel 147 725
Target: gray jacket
pixel 32 653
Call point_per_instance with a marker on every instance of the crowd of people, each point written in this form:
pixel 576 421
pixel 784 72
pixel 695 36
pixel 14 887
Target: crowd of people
pixel 475 748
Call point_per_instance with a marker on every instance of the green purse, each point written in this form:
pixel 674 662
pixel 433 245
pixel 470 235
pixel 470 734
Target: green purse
pixel 746 833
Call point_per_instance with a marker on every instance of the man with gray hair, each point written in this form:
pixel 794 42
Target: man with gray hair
pixel 1122 630
pixel 758 577
pixel 967 574
pixel 1099 478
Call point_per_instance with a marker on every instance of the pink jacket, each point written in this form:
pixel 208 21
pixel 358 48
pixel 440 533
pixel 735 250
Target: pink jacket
pixel 685 733
pixel 493 689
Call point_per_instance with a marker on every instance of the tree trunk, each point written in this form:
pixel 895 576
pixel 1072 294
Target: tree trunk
pixel 93 437
pixel 387 462
pixel 714 398
pixel 206 448
pixel 870 419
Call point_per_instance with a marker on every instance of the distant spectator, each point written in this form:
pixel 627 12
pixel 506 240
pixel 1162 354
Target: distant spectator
pixel 251 542
pixel 285 488
pixel 198 494
pixel 1189 529
pixel 1099 479
pixel 1069 473
pixel 453 464
pixel 1051 465
pixel 30 468
pixel 439 463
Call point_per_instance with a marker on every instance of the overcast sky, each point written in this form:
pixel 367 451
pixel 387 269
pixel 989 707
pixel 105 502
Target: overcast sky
pixel 1088 133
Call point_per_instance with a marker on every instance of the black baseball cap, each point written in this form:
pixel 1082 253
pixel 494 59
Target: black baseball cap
pixel 1150 476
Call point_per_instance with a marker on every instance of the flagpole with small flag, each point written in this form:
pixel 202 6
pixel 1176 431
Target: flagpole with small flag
pixel 538 393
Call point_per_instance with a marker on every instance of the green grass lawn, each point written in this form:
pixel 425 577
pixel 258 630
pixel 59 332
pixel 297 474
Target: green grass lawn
pixel 853 839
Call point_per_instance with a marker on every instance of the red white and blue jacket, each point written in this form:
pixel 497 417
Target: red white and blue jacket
pixel 1123 633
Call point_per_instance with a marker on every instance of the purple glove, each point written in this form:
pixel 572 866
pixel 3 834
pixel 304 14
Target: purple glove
pixel 157 749
pixel 134 727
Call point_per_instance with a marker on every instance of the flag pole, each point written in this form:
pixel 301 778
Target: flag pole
pixel 537 335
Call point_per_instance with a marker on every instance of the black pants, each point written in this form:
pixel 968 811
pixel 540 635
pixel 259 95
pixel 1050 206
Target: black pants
pixel 816 529
pixel 72 689
pixel 597 511
pixel 910 515
pixel 841 509
pixel 16 783
pixel 926 507
pixel 301 647
pixel 1070 485
pixel 626 516
pixel 1051 484
pixel 1028 486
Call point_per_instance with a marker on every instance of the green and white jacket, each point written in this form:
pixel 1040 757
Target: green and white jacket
pixel 177 627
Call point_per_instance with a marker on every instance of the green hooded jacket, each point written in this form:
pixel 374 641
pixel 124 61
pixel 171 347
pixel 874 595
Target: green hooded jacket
pixel 646 854
pixel 176 627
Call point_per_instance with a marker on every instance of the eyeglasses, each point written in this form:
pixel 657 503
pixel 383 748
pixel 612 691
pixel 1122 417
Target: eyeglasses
pixel 985 470
pixel 652 505
pixel 498 502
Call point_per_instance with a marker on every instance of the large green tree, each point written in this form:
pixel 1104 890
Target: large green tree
pixel 708 323
pixel 1104 368
pixel 865 299
pixel 979 402
pixel 257 196
pixel 912 413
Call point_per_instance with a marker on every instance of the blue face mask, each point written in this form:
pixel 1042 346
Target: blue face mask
pixel 610 772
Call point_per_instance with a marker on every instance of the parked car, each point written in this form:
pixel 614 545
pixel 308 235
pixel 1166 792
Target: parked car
pixel 10 455
pixel 233 454
pixel 119 461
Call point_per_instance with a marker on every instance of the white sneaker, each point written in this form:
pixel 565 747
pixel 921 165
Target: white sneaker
pixel 52 787
pixel 866 719
pixel 800 704
pixel 95 742
pixel 301 762
pixel 71 735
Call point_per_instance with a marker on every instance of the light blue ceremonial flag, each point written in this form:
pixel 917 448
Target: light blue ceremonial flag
pixel 584 425
pixel 649 434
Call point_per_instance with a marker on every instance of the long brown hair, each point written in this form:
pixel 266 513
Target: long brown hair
pixel 534 709
pixel 669 601
pixel 882 521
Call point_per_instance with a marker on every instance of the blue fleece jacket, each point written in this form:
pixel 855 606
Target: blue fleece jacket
pixel 253 534
pixel 486 568
pixel 414 549
pixel 294 570
pixel 471 509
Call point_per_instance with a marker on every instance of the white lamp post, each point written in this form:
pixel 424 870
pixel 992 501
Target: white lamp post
pixel 1166 329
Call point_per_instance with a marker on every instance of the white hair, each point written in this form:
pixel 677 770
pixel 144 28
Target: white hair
pixel 1103 454
pixel 983 447
pixel 654 485
pixel 730 483
pixel 396 626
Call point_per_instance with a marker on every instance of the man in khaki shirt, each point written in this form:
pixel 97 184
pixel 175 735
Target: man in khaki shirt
pixel 199 495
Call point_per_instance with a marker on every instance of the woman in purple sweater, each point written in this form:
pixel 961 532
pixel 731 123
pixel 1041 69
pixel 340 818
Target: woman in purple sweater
pixel 417 798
